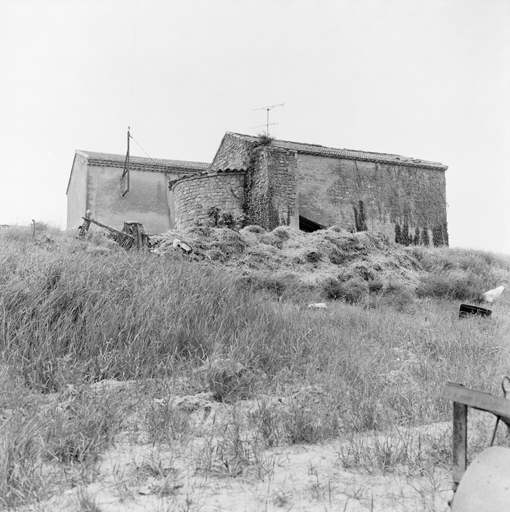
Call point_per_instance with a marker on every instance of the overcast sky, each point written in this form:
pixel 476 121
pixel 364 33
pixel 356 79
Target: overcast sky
pixel 423 78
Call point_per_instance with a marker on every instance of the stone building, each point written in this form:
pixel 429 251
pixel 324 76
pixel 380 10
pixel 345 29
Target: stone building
pixel 269 182
pixel 274 182
pixel 97 184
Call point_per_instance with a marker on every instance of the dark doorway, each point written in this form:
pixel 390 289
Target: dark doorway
pixel 308 225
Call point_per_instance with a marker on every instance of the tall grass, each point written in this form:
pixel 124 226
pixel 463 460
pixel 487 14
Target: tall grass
pixel 124 315
pixel 69 317
pixel 459 274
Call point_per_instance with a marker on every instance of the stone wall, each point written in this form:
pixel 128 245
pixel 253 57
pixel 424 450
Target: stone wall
pixel 195 196
pixel 232 154
pixel 400 201
pixel 271 188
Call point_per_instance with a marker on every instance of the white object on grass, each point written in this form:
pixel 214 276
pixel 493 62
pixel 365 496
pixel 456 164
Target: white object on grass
pixel 493 295
pixel 318 305
pixel 178 244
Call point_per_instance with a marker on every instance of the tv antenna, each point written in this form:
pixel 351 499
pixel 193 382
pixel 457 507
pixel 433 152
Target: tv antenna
pixel 125 171
pixel 267 109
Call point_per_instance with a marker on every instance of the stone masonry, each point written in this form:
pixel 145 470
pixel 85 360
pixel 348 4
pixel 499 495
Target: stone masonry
pixel 268 182
pixel 402 197
pixel 195 195
pixel 271 188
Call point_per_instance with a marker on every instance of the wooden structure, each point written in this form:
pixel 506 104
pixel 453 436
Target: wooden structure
pixel 463 398
pixel 132 234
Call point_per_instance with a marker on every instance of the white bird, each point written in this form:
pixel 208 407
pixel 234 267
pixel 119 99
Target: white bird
pixel 493 295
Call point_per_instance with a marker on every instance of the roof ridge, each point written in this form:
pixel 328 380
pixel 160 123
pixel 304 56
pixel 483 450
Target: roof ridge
pixel 156 162
pixel 305 147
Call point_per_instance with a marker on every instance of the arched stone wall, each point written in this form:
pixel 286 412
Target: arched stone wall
pixel 195 195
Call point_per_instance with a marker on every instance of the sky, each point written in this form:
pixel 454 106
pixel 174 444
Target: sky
pixel 423 78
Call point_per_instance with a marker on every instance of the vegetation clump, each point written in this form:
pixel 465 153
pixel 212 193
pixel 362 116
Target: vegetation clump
pixel 102 349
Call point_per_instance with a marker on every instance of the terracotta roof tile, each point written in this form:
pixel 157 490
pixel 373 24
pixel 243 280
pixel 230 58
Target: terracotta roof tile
pixel 203 174
pixel 153 164
pixel 351 154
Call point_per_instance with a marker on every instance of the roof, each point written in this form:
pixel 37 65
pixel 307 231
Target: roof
pixel 237 148
pixel 204 174
pixel 149 164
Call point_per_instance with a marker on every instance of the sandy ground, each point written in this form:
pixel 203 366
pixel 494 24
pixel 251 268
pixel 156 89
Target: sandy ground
pixel 190 475
pixel 300 478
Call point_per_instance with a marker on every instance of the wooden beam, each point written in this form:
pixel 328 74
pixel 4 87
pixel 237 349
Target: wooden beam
pixel 459 442
pixel 497 405
pixel 111 229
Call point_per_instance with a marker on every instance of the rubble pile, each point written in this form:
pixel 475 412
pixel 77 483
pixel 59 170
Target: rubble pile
pixel 311 257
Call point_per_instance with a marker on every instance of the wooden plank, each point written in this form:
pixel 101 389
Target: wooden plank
pixel 111 229
pixel 481 400
pixel 459 442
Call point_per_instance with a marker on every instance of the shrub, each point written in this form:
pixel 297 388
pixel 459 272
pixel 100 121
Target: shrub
pixel 219 218
pixel 283 287
pixel 398 296
pixel 352 291
pixel 255 229
pixel 454 285
pixel 226 379
pixel 312 256
pixel 375 285
pixel 340 257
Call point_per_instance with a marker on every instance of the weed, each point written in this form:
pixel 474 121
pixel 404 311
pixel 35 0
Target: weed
pixel 85 502
pixel 312 256
pixel 81 430
pixel 165 423
pixel 397 296
pixel 233 454
pixel 281 498
pixel 156 465
pixel 21 468
pixel 409 451
pixel 302 425
pixel 284 287
pixel 456 285
pixel 219 218
pixel 267 421
pixel 265 139
pixel 227 379
pixel 121 484
pixel 351 291
pixel 375 285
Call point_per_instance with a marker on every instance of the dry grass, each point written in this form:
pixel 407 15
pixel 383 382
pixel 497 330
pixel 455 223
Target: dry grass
pixel 369 370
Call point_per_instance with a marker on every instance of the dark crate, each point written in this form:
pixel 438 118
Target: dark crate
pixel 466 311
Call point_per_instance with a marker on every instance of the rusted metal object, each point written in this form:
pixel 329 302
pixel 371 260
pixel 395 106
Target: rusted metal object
pixel 132 235
pixel 505 386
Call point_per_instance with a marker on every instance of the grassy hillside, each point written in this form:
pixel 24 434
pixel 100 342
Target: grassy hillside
pixel 75 313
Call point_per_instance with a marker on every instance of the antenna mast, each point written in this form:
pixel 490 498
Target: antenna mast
pixel 126 164
pixel 267 109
